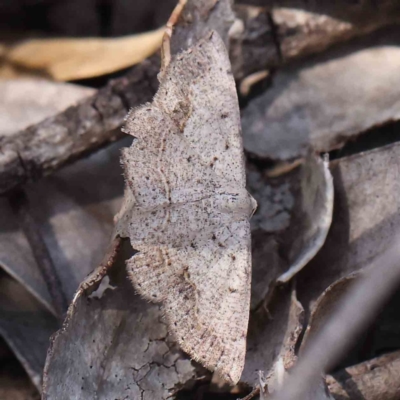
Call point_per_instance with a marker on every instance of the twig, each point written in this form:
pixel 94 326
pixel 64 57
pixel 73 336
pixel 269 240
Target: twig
pixel 374 379
pixel 20 205
pixel 166 45
pixel 45 147
pixel 352 315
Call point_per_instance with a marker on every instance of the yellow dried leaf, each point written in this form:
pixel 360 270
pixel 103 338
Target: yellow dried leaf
pixel 66 59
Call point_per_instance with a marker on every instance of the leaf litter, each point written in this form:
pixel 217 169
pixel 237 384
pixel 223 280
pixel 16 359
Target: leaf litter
pixel 51 386
pixel 272 297
pixel 123 347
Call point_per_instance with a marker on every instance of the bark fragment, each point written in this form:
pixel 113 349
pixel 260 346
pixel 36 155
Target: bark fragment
pixel 375 379
pixel 112 346
pixel 57 140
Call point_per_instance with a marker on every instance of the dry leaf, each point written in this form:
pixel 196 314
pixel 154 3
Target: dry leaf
pixel 303 28
pixel 273 333
pixel 28 101
pixel 114 345
pixel 308 104
pixel 369 380
pixel 26 326
pixel 267 265
pixel 71 59
pixel 365 219
pixel 300 32
pixel 291 223
pixel 74 211
pixel 325 305
pixel 14 384
pixel 313 216
pixel 45 147
pixel 266 37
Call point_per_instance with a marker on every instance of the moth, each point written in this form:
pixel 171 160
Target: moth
pixel 186 209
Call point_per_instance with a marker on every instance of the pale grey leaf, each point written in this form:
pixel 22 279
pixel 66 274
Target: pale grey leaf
pixel 292 220
pixel 323 102
pixel 24 102
pixel 114 346
pixel 365 219
pixel 316 215
pixel 25 325
pixel 74 211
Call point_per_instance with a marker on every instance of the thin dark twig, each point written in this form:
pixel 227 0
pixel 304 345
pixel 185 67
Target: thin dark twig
pixel 353 314
pixel 20 205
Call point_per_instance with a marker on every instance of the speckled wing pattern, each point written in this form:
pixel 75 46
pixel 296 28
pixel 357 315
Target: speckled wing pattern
pixel 186 209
